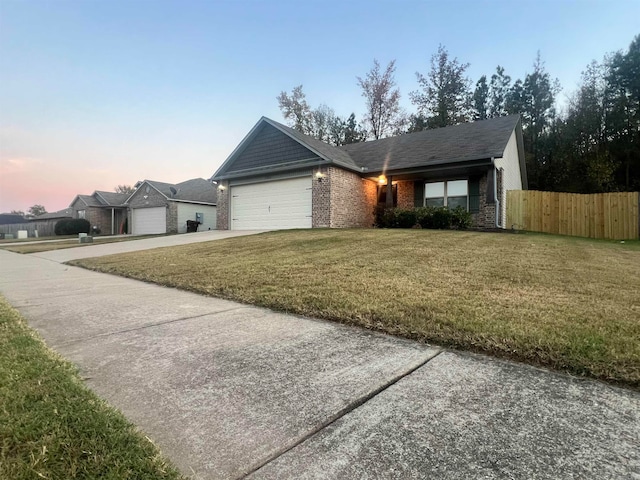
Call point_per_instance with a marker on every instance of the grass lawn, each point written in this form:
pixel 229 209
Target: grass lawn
pixel 53 427
pixel 45 247
pixel 35 239
pixel 567 303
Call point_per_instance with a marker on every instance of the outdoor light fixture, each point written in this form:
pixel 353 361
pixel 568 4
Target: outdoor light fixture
pixel 221 187
pixel 319 175
pixel 382 179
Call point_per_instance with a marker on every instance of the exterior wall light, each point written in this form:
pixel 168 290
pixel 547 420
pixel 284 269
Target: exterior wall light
pixel 319 175
pixel 382 180
pixel 221 187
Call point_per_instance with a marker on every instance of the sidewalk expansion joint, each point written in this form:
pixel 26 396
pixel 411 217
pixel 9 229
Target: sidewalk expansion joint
pixel 142 327
pixel 341 413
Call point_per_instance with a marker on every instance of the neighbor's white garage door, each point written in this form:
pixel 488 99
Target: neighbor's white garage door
pixel 147 221
pixel 272 205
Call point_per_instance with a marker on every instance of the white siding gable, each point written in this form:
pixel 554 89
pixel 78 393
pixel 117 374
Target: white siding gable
pixel 511 177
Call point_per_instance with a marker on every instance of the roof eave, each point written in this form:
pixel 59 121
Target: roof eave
pixel 439 164
pixel 271 169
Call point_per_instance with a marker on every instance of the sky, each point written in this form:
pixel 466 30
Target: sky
pixel 99 93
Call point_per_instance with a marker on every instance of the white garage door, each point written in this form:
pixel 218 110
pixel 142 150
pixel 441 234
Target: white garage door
pixel 279 204
pixel 147 221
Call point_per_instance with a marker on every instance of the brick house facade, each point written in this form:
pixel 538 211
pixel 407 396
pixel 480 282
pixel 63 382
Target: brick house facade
pixel 344 181
pixel 103 210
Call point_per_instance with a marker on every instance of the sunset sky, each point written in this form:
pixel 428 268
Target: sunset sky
pixel 99 93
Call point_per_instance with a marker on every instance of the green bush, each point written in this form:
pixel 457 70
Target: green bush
pixel 425 217
pixel 460 218
pixel 72 226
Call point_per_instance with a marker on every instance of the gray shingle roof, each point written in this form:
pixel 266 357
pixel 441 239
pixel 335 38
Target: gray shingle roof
pixel 65 213
pixel 194 190
pixel 468 141
pixel 479 140
pixel 113 199
pixel 90 200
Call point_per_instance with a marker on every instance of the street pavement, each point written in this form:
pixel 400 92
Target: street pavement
pixel 229 391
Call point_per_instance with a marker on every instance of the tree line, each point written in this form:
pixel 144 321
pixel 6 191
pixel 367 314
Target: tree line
pixel 592 146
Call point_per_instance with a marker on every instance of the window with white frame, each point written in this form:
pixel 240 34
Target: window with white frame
pixel 81 213
pixel 449 194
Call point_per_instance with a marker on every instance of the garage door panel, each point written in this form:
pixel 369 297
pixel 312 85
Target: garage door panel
pixel 149 221
pixel 277 204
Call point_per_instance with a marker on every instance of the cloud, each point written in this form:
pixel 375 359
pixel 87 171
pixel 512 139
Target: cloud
pixel 11 166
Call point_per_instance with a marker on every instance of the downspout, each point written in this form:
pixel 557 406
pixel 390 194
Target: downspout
pixel 495 192
pixel 112 220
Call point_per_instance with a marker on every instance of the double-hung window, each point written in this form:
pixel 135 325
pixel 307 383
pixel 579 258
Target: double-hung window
pixel 449 194
pixel 81 213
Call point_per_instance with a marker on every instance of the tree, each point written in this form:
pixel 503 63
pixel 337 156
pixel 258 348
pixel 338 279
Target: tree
pixel 623 113
pixel 295 110
pixel 17 212
pixel 353 132
pixel 498 91
pixel 481 99
pixel 383 114
pixel 539 94
pixel 445 96
pixel 534 100
pixel 417 123
pixel 323 124
pixel 590 168
pixel 126 189
pixel 36 210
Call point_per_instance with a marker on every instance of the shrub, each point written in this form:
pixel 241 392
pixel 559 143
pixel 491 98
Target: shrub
pixel 442 218
pixel 460 218
pixel 72 226
pixel 405 218
pixel 425 217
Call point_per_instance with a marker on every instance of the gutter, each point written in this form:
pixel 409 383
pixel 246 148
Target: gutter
pixel 495 192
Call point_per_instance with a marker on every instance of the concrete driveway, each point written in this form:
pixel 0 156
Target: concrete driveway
pixel 229 390
pixel 99 250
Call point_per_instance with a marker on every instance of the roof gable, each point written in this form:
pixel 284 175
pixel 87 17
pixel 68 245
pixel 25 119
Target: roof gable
pixel 193 190
pixel 270 145
pixel 85 201
pixel 110 198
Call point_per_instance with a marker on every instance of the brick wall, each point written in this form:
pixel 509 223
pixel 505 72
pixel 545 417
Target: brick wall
pixel 172 218
pixel 352 199
pixel 321 198
pixel 222 212
pixel 486 217
pixel 405 194
pixel 100 217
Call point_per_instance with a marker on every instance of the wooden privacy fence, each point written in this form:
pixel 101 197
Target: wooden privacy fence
pixel 601 215
pixel 45 229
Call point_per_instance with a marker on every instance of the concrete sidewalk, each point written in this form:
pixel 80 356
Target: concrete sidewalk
pixel 228 390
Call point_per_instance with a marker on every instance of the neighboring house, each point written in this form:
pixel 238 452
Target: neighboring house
pixel 280 178
pixel 158 207
pixel 11 219
pixel 104 210
pixel 53 216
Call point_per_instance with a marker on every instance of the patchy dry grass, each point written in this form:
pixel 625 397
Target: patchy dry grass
pixel 45 247
pixel 567 303
pixel 53 427
pixel 35 239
